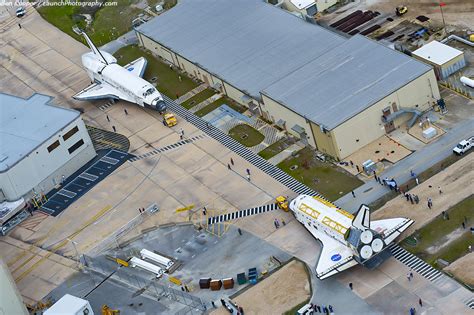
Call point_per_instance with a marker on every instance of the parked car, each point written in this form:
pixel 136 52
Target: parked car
pixel 20 12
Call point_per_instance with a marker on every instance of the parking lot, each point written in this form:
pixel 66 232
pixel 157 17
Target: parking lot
pixel 82 181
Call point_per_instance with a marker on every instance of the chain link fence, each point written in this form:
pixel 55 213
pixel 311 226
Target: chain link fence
pixel 150 287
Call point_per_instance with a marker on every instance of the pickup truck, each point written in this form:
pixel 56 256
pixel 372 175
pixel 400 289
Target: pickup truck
pixel 463 146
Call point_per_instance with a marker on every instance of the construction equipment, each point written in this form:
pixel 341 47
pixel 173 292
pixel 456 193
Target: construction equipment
pixel 282 203
pixel 169 120
pixel 108 311
pixel 401 10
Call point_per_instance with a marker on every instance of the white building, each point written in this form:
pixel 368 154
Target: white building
pixel 11 301
pixel 445 59
pixel 40 145
pixel 308 7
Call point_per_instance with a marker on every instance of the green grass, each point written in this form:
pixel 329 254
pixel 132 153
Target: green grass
pixel 198 98
pixel 246 135
pixel 276 148
pixel 223 100
pixel 109 22
pixel 325 178
pixel 168 79
pixel 433 234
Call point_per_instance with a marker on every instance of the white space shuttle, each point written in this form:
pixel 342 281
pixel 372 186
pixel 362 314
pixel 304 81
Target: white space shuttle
pixel 110 80
pixel 346 240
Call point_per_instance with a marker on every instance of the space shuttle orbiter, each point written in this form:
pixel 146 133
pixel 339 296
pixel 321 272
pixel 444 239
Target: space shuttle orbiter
pixel 346 240
pixel 110 80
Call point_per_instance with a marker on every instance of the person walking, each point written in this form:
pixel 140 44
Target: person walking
pixel 239 230
pixel 108 119
pixel 284 223
pixel 420 302
pixel 411 199
pixel 351 286
pixel 228 166
pixel 204 211
pixel 411 274
pixel 125 110
pixel 248 172
pixel 114 129
pixel 440 191
pixel 408 277
pixel 463 225
pixel 213 304
pixel 276 223
pixel 353 194
pixel 407 195
pixel 19 25
pixel 417 181
pixel 430 203
pixel 417 200
pixel 358 169
pixel 232 161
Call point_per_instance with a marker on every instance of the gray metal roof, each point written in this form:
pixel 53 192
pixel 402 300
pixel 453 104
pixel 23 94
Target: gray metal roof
pixel 26 123
pixel 259 48
pixel 343 82
pixel 247 43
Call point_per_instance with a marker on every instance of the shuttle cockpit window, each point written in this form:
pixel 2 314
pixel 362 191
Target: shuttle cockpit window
pixel 149 91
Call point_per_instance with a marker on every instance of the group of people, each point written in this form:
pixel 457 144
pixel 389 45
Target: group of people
pixel 231 164
pixel 322 309
pixel 277 223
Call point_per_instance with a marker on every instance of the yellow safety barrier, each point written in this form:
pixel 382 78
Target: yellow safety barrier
pixel 187 208
pixel 175 280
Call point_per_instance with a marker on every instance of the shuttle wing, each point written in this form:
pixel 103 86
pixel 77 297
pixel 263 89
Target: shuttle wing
pixel 97 91
pixel 137 67
pixel 391 228
pixel 335 257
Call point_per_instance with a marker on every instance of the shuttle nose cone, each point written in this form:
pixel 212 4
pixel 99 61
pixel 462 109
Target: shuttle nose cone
pixel 159 105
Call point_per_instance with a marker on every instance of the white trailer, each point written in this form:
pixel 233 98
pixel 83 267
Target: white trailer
pixel 146 254
pixel 137 262
pixel 70 305
pixel 467 82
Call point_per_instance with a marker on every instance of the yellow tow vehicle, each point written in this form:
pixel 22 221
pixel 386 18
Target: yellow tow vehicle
pixel 282 203
pixel 169 120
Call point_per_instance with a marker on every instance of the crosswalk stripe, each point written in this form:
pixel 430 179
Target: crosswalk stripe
pixel 166 148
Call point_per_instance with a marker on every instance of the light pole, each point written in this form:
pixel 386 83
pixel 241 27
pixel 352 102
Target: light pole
pixel 75 249
pixel 441 5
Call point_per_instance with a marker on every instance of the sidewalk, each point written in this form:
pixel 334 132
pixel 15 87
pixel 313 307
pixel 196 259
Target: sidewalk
pixel 283 155
pixel 418 161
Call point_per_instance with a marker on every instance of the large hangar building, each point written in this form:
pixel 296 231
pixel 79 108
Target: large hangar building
pixel 40 145
pixel 336 94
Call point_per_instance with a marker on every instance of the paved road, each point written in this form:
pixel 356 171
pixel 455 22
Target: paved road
pixel 417 161
pixel 129 38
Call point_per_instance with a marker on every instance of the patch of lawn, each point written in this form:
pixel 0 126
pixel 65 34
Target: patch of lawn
pixel 167 82
pixel 325 178
pixel 246 135
pixel 223 100
pixel 109 22
pixel 276 148
pixel 436 233
pixel 198 98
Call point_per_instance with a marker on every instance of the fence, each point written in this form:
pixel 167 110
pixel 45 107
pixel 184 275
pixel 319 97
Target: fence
pixel 153 288
pixel 113 239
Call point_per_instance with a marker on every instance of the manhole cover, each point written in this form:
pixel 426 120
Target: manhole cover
pixel 392 151
pixel 153 79
pixel 377 151
pixel 244 136
pixel 293 167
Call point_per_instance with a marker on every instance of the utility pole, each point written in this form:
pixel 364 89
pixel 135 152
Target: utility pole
pixel 75 249
pixel 441 5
